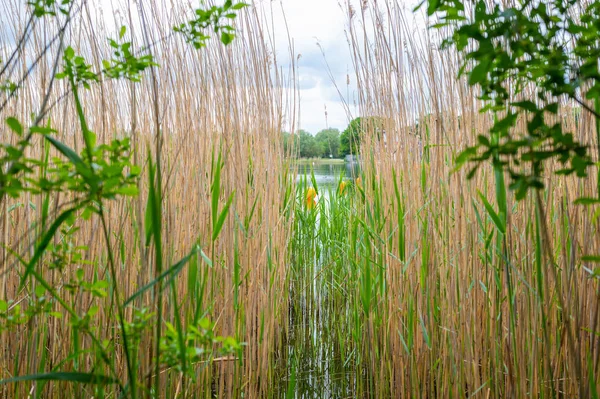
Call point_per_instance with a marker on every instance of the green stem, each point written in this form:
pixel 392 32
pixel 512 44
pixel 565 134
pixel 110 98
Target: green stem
pixel 113 272
pixel 597 118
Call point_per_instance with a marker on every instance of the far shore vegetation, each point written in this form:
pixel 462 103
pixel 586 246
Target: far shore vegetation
pixel 319 161
pixel 327 143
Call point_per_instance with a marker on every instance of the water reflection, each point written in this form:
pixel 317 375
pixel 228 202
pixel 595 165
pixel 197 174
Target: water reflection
pixel 318 362
pixel 328 172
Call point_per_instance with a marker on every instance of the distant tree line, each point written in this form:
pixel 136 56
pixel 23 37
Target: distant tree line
pixel 328 143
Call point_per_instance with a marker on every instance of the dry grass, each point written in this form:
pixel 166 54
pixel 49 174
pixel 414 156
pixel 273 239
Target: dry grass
pixel 463 339
pixel 231 99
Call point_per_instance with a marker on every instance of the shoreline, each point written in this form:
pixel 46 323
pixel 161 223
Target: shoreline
pixel 318 161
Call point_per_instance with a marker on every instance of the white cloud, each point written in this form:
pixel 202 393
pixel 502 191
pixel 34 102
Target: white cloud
pixel 316 28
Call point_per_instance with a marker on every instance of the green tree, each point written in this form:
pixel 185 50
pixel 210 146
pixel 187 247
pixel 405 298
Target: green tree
pixel 329 142
pixel 308 146
pixel 350 138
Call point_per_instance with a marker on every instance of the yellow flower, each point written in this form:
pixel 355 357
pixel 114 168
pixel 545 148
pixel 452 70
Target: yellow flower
pixel 342 187
pixel 311 193
pixel 359 182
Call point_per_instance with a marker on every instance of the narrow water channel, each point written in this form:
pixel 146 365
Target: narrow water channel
pixel 318 362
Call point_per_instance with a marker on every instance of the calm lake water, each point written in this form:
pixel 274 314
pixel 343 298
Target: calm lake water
pixel 328 173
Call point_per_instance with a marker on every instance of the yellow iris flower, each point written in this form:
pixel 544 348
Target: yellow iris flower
pixel 311 193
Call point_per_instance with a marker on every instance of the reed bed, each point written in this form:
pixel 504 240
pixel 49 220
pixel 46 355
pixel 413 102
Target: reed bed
pixel 451 305
pixel 198 108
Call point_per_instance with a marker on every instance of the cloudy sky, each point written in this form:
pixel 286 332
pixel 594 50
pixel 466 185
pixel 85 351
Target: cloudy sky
pixel 318 31
pixel 326 78
pixel 314 23
pixel 309 23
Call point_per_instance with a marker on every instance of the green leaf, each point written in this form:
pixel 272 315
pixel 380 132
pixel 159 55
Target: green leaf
pixel 41 129
pixel 87 213
pixel 93 310
pixel 150 204
pixel 172 272
pixel 479 73
pixel 493 215
pixel 85 378
pixel 206 258
pixel 291 384
pixel 128 190
pixel 69 53
pixel 587 201
pixel 501 193
pixel 122 31
pixel 552 108
pixel 464 156
pixel 433 7
pixel 80 166
pixel 14 125
pixel 219 225
pixel 43 244
pixel 205 324
pixel 526 105
pixel 424 331
pixel 591 258
pixel 418 6
pixel 40 291
pixel 504 124
pixel 148 221
pixel 216 189
pixel 483 140
pixel 239 6
pixel 227 38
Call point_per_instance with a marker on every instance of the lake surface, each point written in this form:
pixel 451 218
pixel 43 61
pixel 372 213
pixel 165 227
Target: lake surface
pixel 328 173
